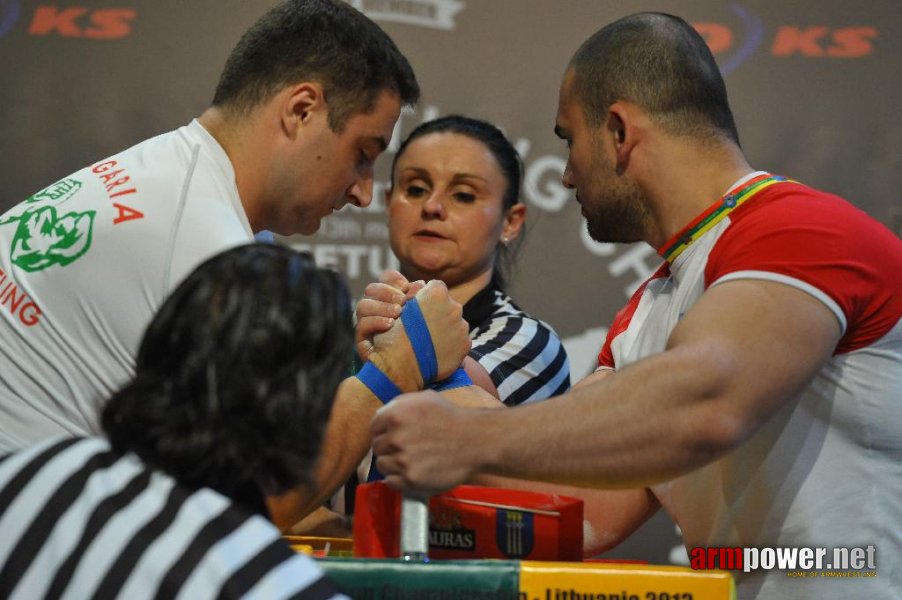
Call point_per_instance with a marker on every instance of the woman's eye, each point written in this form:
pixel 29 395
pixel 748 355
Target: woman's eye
pixel 415 191
pixel 464 197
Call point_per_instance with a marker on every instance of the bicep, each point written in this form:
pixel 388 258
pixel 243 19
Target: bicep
pixel 754 344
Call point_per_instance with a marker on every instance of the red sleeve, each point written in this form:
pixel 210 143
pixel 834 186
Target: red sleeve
pixel 623 317
pixel 795 232
pixel 606 357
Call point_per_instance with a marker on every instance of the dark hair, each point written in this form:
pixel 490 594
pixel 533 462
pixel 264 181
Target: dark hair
pixel 323 40
pixel 662 64
pixel 236 374
pixel 501 148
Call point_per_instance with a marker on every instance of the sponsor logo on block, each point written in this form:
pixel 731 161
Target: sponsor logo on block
pixel 514 533
pixel 448 533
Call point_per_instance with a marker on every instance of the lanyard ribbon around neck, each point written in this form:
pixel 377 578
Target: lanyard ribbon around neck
pixel 715 214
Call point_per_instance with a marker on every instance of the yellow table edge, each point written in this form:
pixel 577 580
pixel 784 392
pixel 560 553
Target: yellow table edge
pixel 556 580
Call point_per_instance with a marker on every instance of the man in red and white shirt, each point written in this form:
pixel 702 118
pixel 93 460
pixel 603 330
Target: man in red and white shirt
pixel 751 386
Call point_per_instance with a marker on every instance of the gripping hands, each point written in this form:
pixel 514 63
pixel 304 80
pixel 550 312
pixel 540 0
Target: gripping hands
pixel 426 344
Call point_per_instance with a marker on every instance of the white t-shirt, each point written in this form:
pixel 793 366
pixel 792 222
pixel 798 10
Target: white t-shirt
pixel 86 262
pixel 826 470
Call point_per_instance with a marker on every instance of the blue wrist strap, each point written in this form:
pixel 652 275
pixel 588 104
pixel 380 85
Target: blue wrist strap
pixel 458 378
pixel 378 383
pixel 418 334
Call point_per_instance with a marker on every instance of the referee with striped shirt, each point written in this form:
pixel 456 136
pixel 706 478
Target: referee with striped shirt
pixel 234 384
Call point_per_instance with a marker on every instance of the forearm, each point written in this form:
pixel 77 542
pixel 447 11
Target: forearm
pixel 345 442
pixel 323 522
pixel 347 437
pixel 741 354
pixel 650 422
pixel 667 414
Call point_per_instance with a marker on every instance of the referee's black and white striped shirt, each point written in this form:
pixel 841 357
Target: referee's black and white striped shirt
pixel 523 356
pixel 76 521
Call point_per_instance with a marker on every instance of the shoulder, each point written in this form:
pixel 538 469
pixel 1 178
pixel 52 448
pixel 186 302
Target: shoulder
pixel 523 355
pixel 791 215
pixel 821 244
pixel 506 320
pixel 62 453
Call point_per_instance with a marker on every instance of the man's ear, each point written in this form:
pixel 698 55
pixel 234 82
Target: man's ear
pixel 621 128
pixel 301 103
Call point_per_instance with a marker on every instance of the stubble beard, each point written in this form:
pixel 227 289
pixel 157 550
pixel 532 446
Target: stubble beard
pixel 620 215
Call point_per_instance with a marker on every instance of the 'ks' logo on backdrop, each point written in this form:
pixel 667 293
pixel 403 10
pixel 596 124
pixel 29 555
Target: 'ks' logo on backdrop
pixel 69 21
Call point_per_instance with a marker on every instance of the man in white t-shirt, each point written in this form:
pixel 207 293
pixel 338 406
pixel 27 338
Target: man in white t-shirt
pixel 306 102
pixel 750 387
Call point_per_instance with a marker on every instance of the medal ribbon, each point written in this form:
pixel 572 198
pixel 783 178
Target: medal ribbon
pixel 715 213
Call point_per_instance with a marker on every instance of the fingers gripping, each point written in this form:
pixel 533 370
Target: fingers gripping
pixel 424 351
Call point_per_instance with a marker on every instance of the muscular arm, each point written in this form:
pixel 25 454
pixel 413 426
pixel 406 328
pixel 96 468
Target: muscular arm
pixel 347 436
pixel 743 351
pixel 345 443
pixel 609 516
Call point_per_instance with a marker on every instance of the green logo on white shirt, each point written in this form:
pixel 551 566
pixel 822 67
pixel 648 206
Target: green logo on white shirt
pixel 43 236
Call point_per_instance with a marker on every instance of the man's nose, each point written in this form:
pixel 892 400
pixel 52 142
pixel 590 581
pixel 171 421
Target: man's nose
pixel 361 192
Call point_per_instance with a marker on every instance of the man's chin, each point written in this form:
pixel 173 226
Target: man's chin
pixel 605 235
pixel 310 228
pixel 306 227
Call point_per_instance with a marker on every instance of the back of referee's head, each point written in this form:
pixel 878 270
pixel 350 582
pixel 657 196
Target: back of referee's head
pixel 236 374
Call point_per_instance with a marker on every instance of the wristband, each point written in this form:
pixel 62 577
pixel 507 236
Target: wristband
pixel 378 383
pixel 420 340
pixel 458 378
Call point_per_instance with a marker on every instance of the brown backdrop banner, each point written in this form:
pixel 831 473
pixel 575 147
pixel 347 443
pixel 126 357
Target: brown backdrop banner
pixel 815 86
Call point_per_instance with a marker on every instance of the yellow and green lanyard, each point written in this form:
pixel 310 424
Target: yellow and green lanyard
pixel 715 214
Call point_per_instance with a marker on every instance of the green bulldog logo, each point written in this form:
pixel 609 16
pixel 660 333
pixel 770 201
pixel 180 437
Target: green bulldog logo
pixel 43 237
